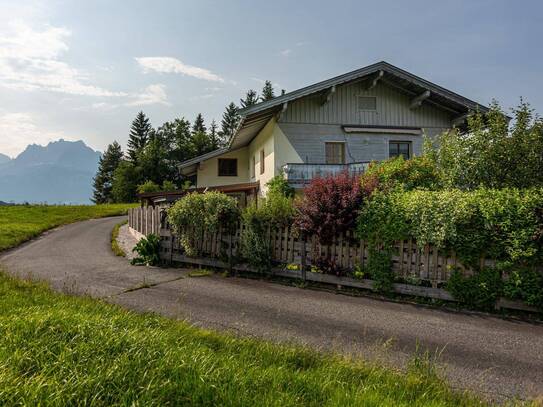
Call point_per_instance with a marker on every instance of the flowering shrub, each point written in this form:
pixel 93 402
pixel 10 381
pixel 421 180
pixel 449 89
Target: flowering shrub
pixel 418 172
pixel 195 214
pixel 503 224
pixel 328 207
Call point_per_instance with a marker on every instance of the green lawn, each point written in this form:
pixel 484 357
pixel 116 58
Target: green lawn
pixel 23 222
pixel 60 350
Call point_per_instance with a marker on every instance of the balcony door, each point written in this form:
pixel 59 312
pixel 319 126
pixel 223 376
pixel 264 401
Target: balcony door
pixel 335 152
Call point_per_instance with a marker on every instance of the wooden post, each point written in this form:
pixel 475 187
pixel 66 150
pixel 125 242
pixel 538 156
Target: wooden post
pixel 230 248
pixel 171 247
pixel 303 259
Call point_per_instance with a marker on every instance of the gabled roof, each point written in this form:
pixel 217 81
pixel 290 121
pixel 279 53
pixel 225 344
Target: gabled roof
pixel 254 118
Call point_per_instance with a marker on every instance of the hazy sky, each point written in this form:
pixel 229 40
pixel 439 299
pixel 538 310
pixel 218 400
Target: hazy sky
pixel 83 69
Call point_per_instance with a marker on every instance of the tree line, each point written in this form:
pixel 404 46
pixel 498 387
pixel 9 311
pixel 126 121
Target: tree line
pixel 152 157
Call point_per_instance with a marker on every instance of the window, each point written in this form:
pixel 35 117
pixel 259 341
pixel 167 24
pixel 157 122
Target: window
pixel 335 153
pixel 397 148
pixel 367 103
pixel 262 167
pixel 253 166
pixel 228 167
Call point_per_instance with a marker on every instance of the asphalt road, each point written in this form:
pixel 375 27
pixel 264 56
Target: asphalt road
pixel 495 357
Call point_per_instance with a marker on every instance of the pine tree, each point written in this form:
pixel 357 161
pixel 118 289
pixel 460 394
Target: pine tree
pixel 267 92
pixel 139 136
pixel 251 98
pixel 103 181
pixel 230 121
pixel 214 136
pixel 199 125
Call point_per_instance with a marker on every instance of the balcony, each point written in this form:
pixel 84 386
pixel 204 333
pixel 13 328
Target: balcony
pixel 299 175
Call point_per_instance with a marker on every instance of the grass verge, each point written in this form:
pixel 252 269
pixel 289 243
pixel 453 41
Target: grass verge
pixel 58 350
pixel 23 222
pixel 117 250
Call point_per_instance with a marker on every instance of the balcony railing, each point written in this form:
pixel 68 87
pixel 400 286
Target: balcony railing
pixel 300 174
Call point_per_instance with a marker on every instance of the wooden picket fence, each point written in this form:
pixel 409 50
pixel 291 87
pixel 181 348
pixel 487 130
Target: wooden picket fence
pixel 145 220
pixel 295 257
pixel 409 261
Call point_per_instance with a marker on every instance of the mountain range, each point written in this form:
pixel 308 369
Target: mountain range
pixel 59 173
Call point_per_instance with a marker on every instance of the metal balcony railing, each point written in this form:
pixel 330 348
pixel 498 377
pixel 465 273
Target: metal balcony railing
pixel 298 174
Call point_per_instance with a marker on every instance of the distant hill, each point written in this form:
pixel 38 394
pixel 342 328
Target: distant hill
pixel 4 158
pixel 60 172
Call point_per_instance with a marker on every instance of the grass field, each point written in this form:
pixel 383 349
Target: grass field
pixel 23 222
pixel 59 350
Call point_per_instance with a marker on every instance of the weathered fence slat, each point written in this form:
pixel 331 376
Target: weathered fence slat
pixel 409 260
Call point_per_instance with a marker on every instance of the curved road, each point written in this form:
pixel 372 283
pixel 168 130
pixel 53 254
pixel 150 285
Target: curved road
pixel 495 357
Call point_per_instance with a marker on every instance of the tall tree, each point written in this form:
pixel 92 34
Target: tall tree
pixel 126 179
pixel 214 136
pixel 251 98
pixel 199 125
pixel 139 135
pixel 153 162
pixel 267 91
pixel 201 143
pixel 230 121
pixel 103 181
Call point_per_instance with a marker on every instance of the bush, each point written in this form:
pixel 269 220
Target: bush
pixel 196 214
pixel 526 285
pixel 274 211
pixel 168 186
pixel 500 224
pixel 490 154
pixel 148 250
pixel 480 291
pixel 279 185
pixel 418 172
pixel 328 207
pixel 148 186
pixel 379 268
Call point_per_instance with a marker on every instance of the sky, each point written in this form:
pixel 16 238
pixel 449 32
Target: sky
pixel 82 70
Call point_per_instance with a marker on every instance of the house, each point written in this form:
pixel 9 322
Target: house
pixel 342 123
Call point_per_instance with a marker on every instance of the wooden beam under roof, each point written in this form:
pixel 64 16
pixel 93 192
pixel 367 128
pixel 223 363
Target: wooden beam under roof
pixel 417 101
pixel 328 95
pixel 459 120
pixel 375 80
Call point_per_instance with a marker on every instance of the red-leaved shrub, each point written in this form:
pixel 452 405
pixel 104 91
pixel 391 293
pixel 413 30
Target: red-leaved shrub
pixel 328 207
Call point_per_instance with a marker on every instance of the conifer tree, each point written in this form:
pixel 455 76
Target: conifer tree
pixel 214 137
pixel 251 98
pixel 199 125
pixel 267 92
pixel 103 181
pixel 230 121
pixel 139 136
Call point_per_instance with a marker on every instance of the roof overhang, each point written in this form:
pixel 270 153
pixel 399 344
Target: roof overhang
pixel 254 118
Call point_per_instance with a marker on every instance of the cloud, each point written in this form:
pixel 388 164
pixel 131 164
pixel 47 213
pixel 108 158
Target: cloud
pixel 285 52
pixel 31 60
pixel 174 65
pixel 152 94
pixel 17 130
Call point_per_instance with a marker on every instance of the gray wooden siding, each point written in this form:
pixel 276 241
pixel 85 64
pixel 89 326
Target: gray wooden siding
pixel 308 125
pixel 308 141
pixel 392 109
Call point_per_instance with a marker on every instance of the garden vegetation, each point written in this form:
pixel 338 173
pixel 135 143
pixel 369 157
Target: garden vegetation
pixel 477 193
